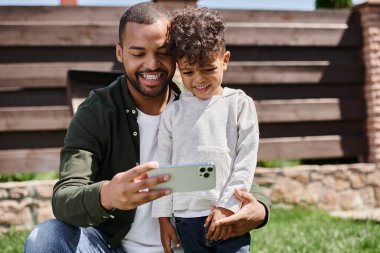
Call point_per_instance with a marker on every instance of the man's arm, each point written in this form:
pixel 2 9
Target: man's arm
pixel 78 199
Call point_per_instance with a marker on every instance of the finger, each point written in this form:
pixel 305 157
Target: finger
pixel 216 234
pixel 228 232
pixel 175 240
pixel 230 220
pixel 211 230
pixel 166 245
pixel 222 234
pixel 131 174
pixel 139 198
pixel 243 196
pixel 147 183
pixel 208 220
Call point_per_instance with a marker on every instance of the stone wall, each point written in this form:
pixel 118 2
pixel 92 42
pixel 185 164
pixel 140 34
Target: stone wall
pixel 24 204
pixel 329 187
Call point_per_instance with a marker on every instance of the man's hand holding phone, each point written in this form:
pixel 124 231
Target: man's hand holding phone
pixel 125 190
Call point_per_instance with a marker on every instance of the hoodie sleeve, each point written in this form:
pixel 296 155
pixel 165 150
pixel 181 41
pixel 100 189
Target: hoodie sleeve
pixel 163 207
pixel 246 158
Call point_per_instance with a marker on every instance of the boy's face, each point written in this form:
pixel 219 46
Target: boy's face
pixel 147 64
pixel 204 81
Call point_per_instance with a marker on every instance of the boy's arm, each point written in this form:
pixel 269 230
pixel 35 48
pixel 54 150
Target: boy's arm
pixel 163 207
pixel 246 158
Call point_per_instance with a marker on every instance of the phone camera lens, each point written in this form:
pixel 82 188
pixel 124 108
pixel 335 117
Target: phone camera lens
pixel 202 169
pixel 210 169
pixel 206 175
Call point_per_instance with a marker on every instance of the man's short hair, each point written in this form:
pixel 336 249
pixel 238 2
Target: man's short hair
pixel 197 34
pixel 146 13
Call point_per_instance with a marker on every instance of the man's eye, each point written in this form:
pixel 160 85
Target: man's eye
pixel 186 73
pixel 137 55
pixel 209 70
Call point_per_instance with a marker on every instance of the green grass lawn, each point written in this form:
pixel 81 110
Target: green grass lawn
pixel 288 231
pixel 300 230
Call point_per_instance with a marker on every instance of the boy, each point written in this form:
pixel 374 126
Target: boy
pixel 207 123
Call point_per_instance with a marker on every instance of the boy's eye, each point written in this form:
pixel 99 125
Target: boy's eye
pixel 187 73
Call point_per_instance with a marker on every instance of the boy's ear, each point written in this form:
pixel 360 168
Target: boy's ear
pixel 119 52
pixel 226 59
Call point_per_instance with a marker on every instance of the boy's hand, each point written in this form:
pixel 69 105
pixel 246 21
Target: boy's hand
pixel 218 232
pixel 168 234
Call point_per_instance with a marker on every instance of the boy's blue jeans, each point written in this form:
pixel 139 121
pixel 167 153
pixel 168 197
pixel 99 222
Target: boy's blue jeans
pixel 56 236
pixel 192 235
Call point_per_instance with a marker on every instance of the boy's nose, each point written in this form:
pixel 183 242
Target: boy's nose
pixel 199 79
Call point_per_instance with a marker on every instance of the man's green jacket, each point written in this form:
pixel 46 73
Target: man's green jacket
pixel 102 140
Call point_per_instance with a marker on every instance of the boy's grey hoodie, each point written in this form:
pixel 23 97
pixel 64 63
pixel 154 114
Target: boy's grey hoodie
pixel 223 129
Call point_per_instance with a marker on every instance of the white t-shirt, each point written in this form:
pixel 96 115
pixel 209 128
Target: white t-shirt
pixel 144 235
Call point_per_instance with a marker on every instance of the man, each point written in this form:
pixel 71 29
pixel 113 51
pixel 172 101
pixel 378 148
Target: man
pixel 100 201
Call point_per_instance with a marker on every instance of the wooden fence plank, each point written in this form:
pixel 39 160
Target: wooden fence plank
pixel 32 97
pixel 91 13
pixel 301 91
pixel 311 147
pixel 37 118
pixel 32 139
pixel 51 74
pixel 312 128
pixel 106 34
pixel 250 72
pixel 60 13
pixel 247 72
pixel 298 110
pixel 29 160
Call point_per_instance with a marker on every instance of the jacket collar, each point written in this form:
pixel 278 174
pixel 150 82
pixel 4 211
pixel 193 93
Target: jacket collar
pixel 130 107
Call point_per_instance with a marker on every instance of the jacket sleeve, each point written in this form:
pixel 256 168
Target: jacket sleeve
pixel 264 199
pixel 75 196
pixel 244 165
pixel 163 207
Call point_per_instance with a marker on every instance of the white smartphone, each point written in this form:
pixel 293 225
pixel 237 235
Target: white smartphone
pixel 187 177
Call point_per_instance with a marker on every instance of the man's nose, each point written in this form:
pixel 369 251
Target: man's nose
pixel 152 62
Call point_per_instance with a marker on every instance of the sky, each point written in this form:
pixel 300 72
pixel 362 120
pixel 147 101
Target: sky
pixel 300 5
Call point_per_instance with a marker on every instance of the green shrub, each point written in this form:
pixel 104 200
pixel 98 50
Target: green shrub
pixel 333 4
pixel 18 177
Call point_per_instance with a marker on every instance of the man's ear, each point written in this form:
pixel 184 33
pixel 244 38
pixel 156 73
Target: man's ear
pixel 226 59
pixel 119 52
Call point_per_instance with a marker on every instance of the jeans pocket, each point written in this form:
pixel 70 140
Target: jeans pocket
pixel 178 221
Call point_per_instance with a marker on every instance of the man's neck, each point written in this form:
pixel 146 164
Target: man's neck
pixel 150 105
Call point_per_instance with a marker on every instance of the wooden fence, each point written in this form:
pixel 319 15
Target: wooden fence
pixel 303 69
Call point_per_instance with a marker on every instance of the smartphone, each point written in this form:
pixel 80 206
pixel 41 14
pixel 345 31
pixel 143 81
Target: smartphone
pixel 187 177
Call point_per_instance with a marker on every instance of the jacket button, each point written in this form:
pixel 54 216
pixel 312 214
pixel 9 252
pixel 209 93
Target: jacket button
pixel 134 133
pixel 127 111
pixel 133 111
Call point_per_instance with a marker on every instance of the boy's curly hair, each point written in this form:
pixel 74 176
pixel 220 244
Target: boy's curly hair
pixel 196 33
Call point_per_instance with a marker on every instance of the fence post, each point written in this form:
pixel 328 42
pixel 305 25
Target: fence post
pixel 370 20
pixel 68 2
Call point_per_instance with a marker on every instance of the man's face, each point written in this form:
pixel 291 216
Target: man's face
pixel 147 64
pixel 204 81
